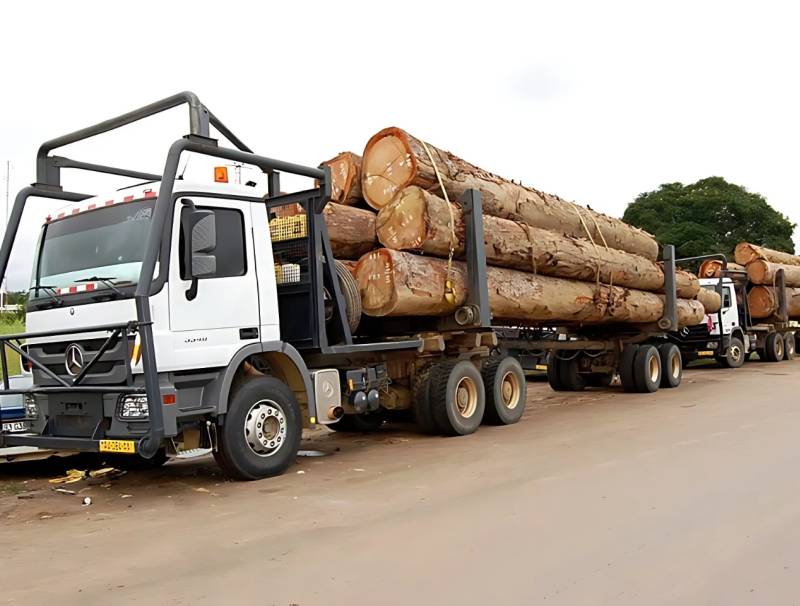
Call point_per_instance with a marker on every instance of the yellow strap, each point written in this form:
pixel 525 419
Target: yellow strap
pixel 577 210
pixel 449 290
pixel 599 231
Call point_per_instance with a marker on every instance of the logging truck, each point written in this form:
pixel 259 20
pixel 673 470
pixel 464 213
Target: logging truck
pixel 172 319
pixel 733 334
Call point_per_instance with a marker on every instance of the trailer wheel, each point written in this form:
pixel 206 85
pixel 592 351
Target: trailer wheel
pixel 553 374
pixel 423 415
pixel 457 397
pixel 360 423
pixel 734 356
pixel 774 347
pixel 789 346
pixel 261 434
pixel 671 365
pixel 647 369
pixel 504 381
pixel 626 373
pixel 352 298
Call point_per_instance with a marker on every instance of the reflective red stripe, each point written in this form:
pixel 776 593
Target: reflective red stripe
pixel 73 289
pixel 149 194
pixel 90 286
pixel 91 207
pixel 75 211
pixel 60 215
pixel 127 199
pixel 109 202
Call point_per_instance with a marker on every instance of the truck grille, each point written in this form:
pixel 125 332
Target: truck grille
pixel 111 369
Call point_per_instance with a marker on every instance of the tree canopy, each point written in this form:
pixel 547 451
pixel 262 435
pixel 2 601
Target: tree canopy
pixel 710 216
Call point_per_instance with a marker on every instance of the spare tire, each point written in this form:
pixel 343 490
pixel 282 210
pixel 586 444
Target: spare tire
pixel 352 299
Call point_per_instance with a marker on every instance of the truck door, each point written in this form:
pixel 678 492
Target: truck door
pixel 224 315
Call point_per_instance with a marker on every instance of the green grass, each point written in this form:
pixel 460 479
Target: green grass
pixel 8 327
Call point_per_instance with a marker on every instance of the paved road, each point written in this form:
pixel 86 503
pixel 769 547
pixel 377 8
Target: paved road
pixel 682 497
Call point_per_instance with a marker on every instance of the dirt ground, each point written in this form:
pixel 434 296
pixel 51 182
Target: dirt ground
pixel 685 496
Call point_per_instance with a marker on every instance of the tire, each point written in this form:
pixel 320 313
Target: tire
pixel 359 423
pixel 626 368
pixel 244 450
pixel 734 355
pixel 506 388
pixel 570 377
pixel 553 376
pixel 789 346
pixel 773 349
pixel 135 462
pixel 423 415
pixel 647 369
pixel 352 298
pixel 457 397
pixel 671 365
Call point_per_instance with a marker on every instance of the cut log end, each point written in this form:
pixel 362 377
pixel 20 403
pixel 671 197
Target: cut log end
pixel 375 276
pixel 762 302
pixel 388 166
pixel 402 225
pixel 345 177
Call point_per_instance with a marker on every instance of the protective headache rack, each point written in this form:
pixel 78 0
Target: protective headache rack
pixel 48 185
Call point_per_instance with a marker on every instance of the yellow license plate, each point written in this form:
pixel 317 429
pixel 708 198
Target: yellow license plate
pixel 705 353
pixel 541 367
pixel 122 446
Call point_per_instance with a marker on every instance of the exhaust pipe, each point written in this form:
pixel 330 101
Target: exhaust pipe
pixel 335 413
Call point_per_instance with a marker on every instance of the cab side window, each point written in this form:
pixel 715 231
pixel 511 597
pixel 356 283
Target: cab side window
pixel 230 251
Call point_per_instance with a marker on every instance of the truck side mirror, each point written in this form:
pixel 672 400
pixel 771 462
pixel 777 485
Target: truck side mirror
pixel 200 242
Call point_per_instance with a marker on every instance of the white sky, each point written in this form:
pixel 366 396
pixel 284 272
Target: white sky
pixel 594 101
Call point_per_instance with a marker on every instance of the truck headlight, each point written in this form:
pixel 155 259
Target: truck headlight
pixel 31 407
pixel 133 407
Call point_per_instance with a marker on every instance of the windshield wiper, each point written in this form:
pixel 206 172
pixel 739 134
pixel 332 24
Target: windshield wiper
pixel 107 281
pixel 50 291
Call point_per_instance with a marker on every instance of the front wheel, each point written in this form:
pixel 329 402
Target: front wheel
pixel 734 356
pixel 261 434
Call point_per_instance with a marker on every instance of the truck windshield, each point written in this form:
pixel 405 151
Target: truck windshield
pixel 107 243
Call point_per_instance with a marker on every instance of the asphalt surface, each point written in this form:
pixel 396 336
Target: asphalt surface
pixel 686 496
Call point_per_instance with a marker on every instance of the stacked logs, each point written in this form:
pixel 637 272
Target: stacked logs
pixel 762 266
pixel 549 260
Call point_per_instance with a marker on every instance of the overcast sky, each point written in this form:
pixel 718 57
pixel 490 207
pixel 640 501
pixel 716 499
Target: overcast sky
pixel 594 101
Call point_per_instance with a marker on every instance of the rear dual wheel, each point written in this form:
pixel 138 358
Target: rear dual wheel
pixel 563 373
pixel 450 398
pixel 644 368
pixel 505 385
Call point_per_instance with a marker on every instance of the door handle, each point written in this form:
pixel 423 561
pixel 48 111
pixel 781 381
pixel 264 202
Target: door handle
pixel 248 333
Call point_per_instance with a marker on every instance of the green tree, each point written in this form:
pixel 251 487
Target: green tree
pixel 710 216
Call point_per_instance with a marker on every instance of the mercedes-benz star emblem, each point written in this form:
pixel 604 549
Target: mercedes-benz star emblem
pixel 73 359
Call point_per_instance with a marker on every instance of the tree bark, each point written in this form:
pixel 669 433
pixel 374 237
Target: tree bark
pixel 764 272
pixel 420 221
pixel 712 268
pixel 763 302
pixel 351 230
pixel 345 178
pixel 394 283
pixel 710 300
pixel 747 253
pixel 393 159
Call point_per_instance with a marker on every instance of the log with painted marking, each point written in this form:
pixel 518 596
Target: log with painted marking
pixel 395 283
pixel 417 220
pixel 393 159
pixel 345 178
pixel 351 230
